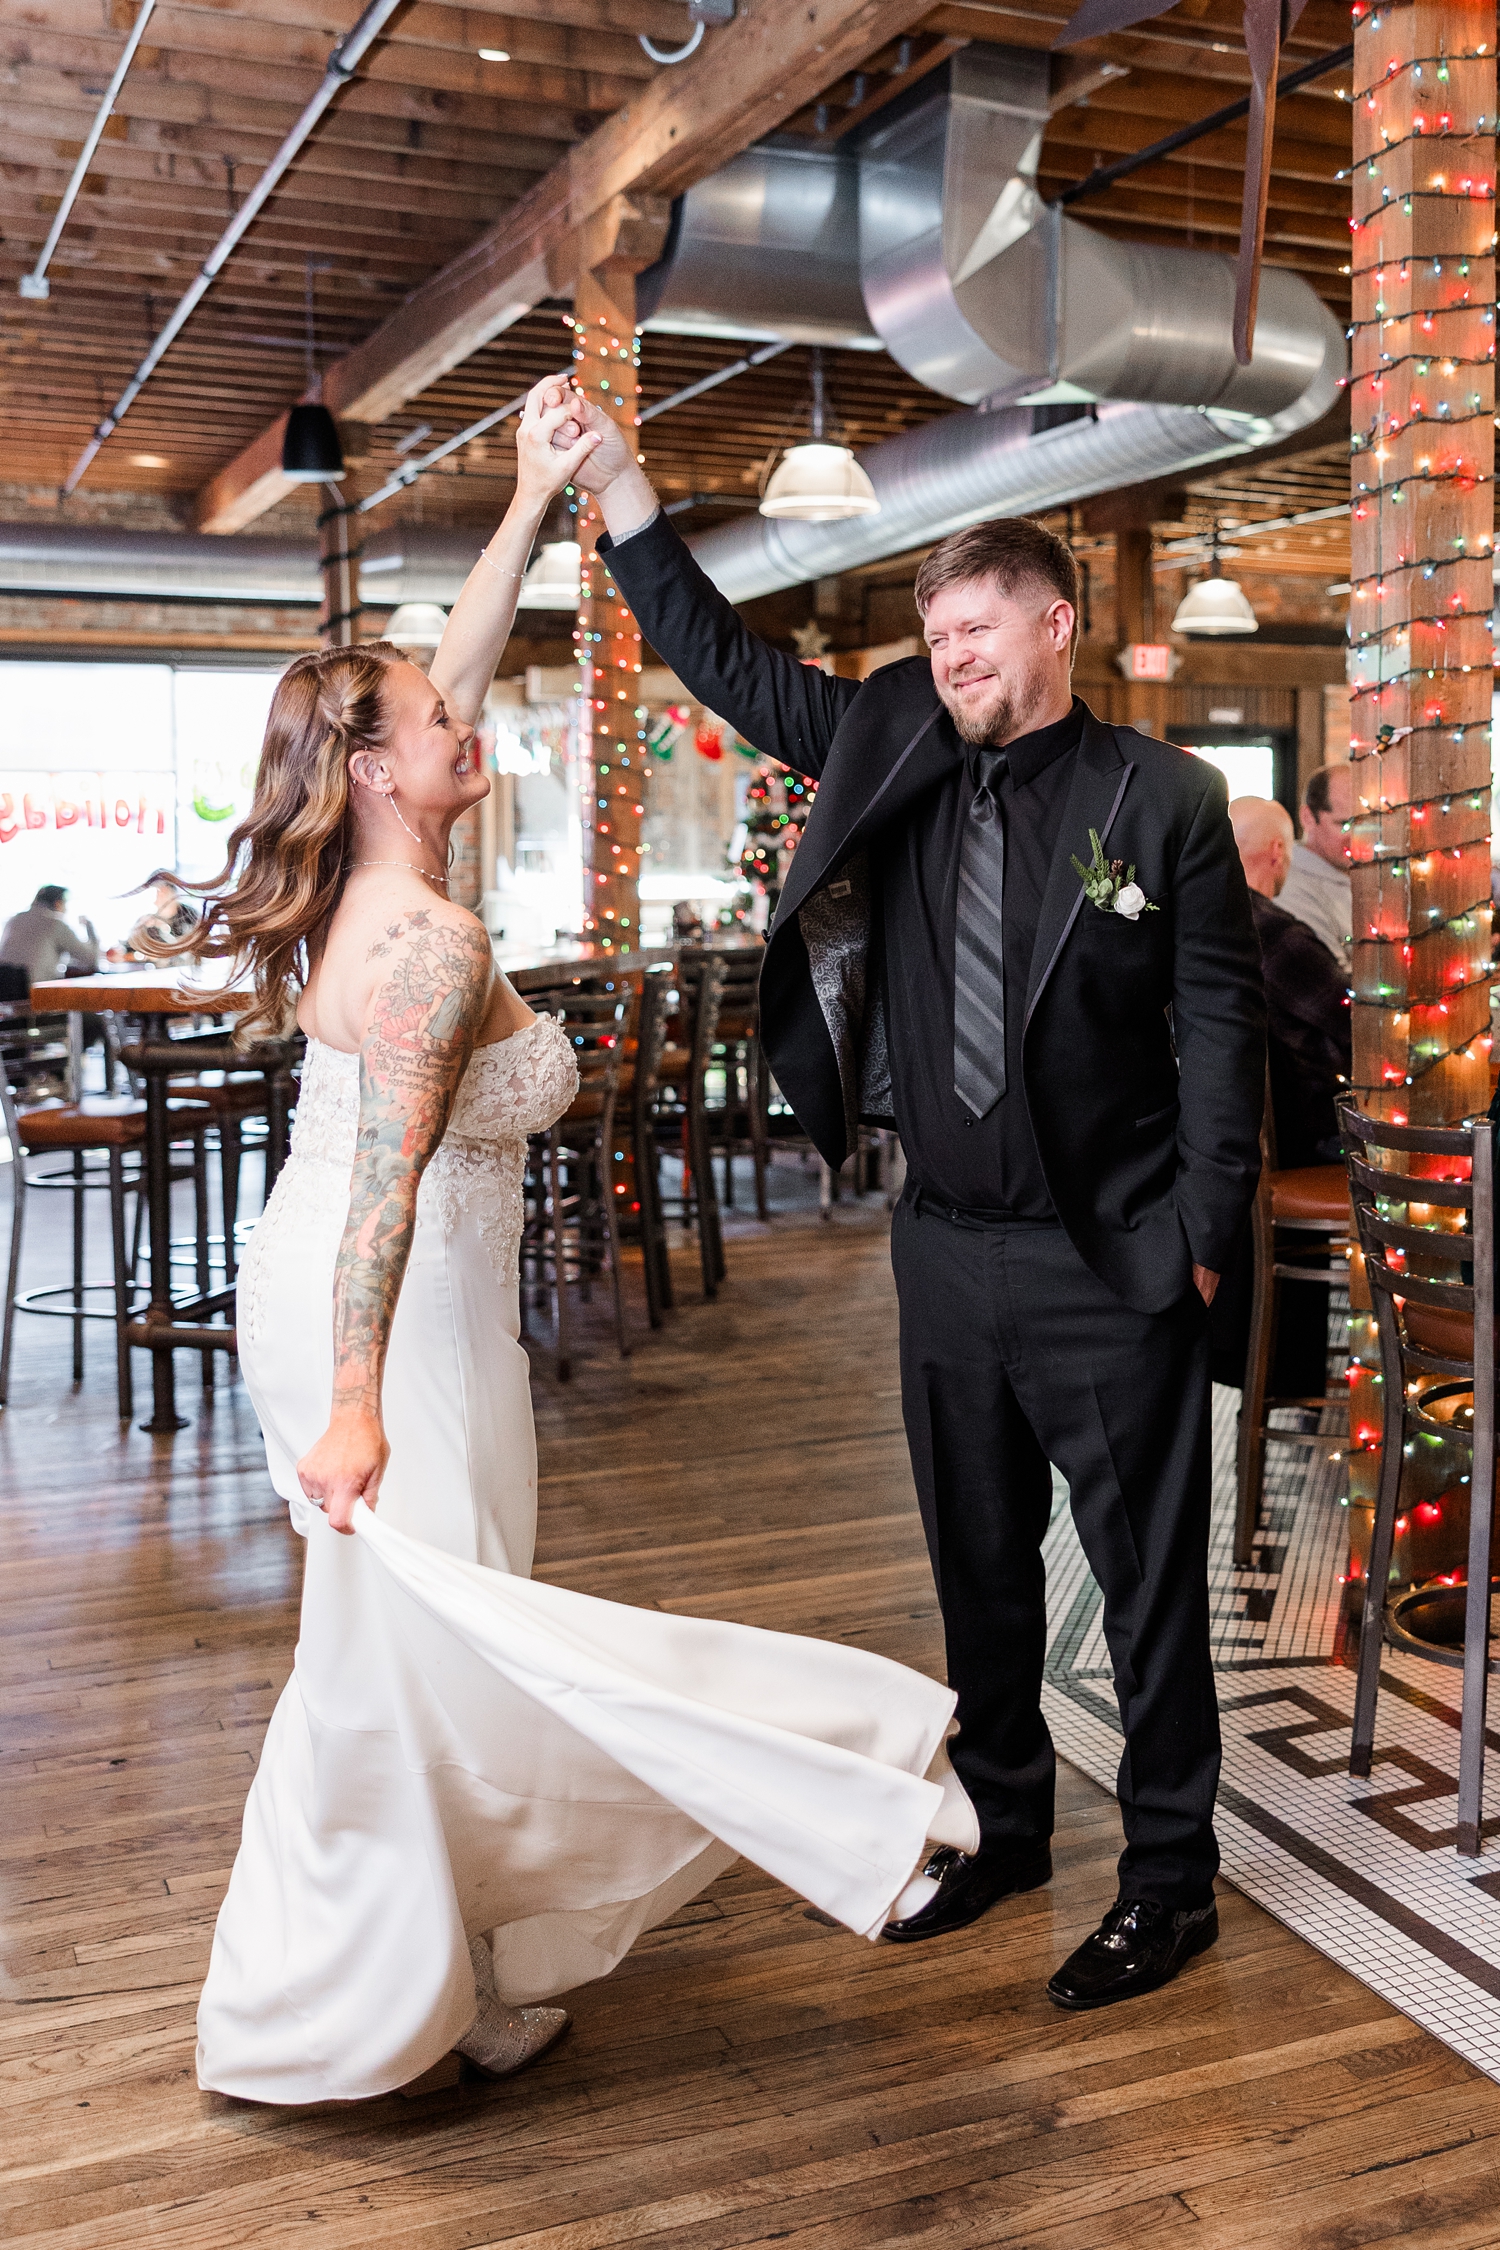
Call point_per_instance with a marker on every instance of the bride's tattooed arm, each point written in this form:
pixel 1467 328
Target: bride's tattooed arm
pixel 415 1050
pixel 436 972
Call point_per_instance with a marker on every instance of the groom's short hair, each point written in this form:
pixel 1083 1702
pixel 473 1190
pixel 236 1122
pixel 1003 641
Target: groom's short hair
pixel 1014 552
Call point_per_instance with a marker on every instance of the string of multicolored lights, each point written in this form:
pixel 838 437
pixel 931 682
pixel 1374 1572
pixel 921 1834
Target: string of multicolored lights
pixel 614 754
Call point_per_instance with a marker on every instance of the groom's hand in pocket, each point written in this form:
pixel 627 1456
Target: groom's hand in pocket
pixel 345 1465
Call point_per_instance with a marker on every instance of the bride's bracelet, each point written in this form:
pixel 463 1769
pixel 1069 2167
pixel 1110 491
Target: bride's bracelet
pixel 498 568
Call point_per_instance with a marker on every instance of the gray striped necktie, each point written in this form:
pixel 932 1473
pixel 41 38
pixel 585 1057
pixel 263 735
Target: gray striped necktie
pixel 978 957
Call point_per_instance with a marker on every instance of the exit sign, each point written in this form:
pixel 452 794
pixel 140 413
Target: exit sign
pixel 1148 660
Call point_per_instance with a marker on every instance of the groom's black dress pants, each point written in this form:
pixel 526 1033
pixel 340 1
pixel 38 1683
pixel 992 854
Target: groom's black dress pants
pixel 1014 1354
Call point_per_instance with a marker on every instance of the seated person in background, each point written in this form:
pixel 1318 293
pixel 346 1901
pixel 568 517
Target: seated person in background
pixel 168 916
pixel 1308 1031
pixel 1307 998
pixel 40 941
pixel 1318 890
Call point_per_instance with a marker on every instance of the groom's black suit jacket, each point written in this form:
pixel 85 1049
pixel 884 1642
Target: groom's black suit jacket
pixel 1144 1061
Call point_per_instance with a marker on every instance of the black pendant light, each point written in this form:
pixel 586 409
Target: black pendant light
pixel 310 449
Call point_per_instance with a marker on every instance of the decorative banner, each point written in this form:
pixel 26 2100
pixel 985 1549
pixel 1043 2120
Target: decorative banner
pixel 100 835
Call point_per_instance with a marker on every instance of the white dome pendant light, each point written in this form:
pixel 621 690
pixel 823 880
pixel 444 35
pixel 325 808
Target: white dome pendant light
pixel 1216 607
pixel 818 482
pixel 554 579
pixel 416 625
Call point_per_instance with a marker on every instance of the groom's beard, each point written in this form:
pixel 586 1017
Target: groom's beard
pixel 1001 714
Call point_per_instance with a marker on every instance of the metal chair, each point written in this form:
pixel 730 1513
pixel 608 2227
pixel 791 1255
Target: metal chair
pixel 685 1068
pixel 1434 1295
pixel 573 1216
pixel 639 1096
pixel 108 1125
pixel 741 1125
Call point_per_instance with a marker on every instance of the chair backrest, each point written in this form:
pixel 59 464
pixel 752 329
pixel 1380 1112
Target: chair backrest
pixel 701 971
pixel 594 1011
pixel 739 1005
pixel 653 1009
pixel 1408 1262
pixel 15 982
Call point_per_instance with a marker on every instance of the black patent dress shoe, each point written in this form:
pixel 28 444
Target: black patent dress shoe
pixel 968 1887
pixel 1139 1945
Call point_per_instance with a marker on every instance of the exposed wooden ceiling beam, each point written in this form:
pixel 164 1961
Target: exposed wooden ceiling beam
pixel 776 56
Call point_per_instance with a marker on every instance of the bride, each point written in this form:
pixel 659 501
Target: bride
pixel 475 1791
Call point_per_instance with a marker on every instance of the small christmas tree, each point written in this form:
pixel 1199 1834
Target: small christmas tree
pixel 777 803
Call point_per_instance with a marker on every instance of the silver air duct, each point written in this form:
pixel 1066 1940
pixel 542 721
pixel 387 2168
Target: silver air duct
pixel 983 292
pixel 156 565
pixel 930 239
pixel 767 249
pixel 967 467
pixel 402 565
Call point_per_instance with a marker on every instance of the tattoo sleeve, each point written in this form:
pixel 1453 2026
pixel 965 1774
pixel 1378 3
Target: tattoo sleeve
pixel 420 1037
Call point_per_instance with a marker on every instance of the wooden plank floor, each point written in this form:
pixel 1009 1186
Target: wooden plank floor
pixel 751 2074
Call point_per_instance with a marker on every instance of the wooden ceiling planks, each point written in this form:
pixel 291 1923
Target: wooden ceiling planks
pixel 429 146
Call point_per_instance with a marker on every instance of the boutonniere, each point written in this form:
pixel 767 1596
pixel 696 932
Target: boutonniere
pixel 1110 885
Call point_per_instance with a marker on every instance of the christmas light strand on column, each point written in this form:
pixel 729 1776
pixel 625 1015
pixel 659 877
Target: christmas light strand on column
pixel 1421 663
pixel 613 751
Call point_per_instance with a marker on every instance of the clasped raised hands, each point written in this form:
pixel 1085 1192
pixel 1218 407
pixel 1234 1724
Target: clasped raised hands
pixel 553 441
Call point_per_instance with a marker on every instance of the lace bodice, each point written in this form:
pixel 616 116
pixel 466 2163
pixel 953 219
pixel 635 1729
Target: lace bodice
pixel 511 1089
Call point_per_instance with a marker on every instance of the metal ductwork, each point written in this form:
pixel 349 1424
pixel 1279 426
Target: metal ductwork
pixel 402 565
pixel 156 565
pixel 964 468
pixel 930 238
pixel 767 249
pixel 986 294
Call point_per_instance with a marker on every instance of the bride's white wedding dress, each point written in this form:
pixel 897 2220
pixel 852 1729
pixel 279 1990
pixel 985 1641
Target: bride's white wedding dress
pixel 460 1750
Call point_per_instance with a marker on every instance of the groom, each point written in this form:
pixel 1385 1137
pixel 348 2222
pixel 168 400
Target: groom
pixel 1024 938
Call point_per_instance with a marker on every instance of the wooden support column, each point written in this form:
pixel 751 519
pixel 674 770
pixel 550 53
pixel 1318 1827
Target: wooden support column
pixel 613 768
pixel 340 544
pixel 1135 620
pixel 1422 406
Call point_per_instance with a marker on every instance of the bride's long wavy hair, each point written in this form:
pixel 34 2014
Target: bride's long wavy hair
pixel 268 908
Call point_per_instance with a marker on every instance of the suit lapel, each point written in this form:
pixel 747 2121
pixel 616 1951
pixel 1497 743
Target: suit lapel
pixel 827 843
pixel 1101 775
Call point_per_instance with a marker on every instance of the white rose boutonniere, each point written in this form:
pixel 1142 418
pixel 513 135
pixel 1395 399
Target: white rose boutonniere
pixel 1110 885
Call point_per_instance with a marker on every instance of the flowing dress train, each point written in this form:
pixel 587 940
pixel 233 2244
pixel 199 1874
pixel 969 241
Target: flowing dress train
pixel 460 1749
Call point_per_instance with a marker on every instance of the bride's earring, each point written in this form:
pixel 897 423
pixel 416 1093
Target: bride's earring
pixel 390 798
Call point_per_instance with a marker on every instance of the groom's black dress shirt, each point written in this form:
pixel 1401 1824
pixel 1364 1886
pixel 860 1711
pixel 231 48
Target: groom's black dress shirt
pixel 988 1163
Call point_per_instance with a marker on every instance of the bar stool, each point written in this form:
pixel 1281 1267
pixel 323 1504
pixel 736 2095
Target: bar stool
pixel 744 1123
pixel 233 1102
pixel 110 1124
pixel 572 1202
pixel 637 1101
pixel 1434 1297
pixel 1289 1205
pixel 684 1078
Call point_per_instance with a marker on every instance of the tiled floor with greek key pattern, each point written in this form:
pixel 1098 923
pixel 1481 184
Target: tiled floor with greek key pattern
pixel 1364 1870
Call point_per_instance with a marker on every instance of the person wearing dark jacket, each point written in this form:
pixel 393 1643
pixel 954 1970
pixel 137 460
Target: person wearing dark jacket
pixel 1308 1024
pixel 1309 1030
pixel 1024 938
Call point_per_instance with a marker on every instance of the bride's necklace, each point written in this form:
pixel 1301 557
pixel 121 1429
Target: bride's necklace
pixel 409 864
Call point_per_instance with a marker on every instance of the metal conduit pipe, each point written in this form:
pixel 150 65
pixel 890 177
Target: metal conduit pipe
pixel 344 60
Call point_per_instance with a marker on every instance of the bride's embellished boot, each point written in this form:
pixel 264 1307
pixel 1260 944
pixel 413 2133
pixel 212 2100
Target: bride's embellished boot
pixel 502 2040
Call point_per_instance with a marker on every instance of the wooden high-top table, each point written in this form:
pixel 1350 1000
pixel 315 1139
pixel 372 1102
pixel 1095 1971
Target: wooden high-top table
pixel 199 1322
